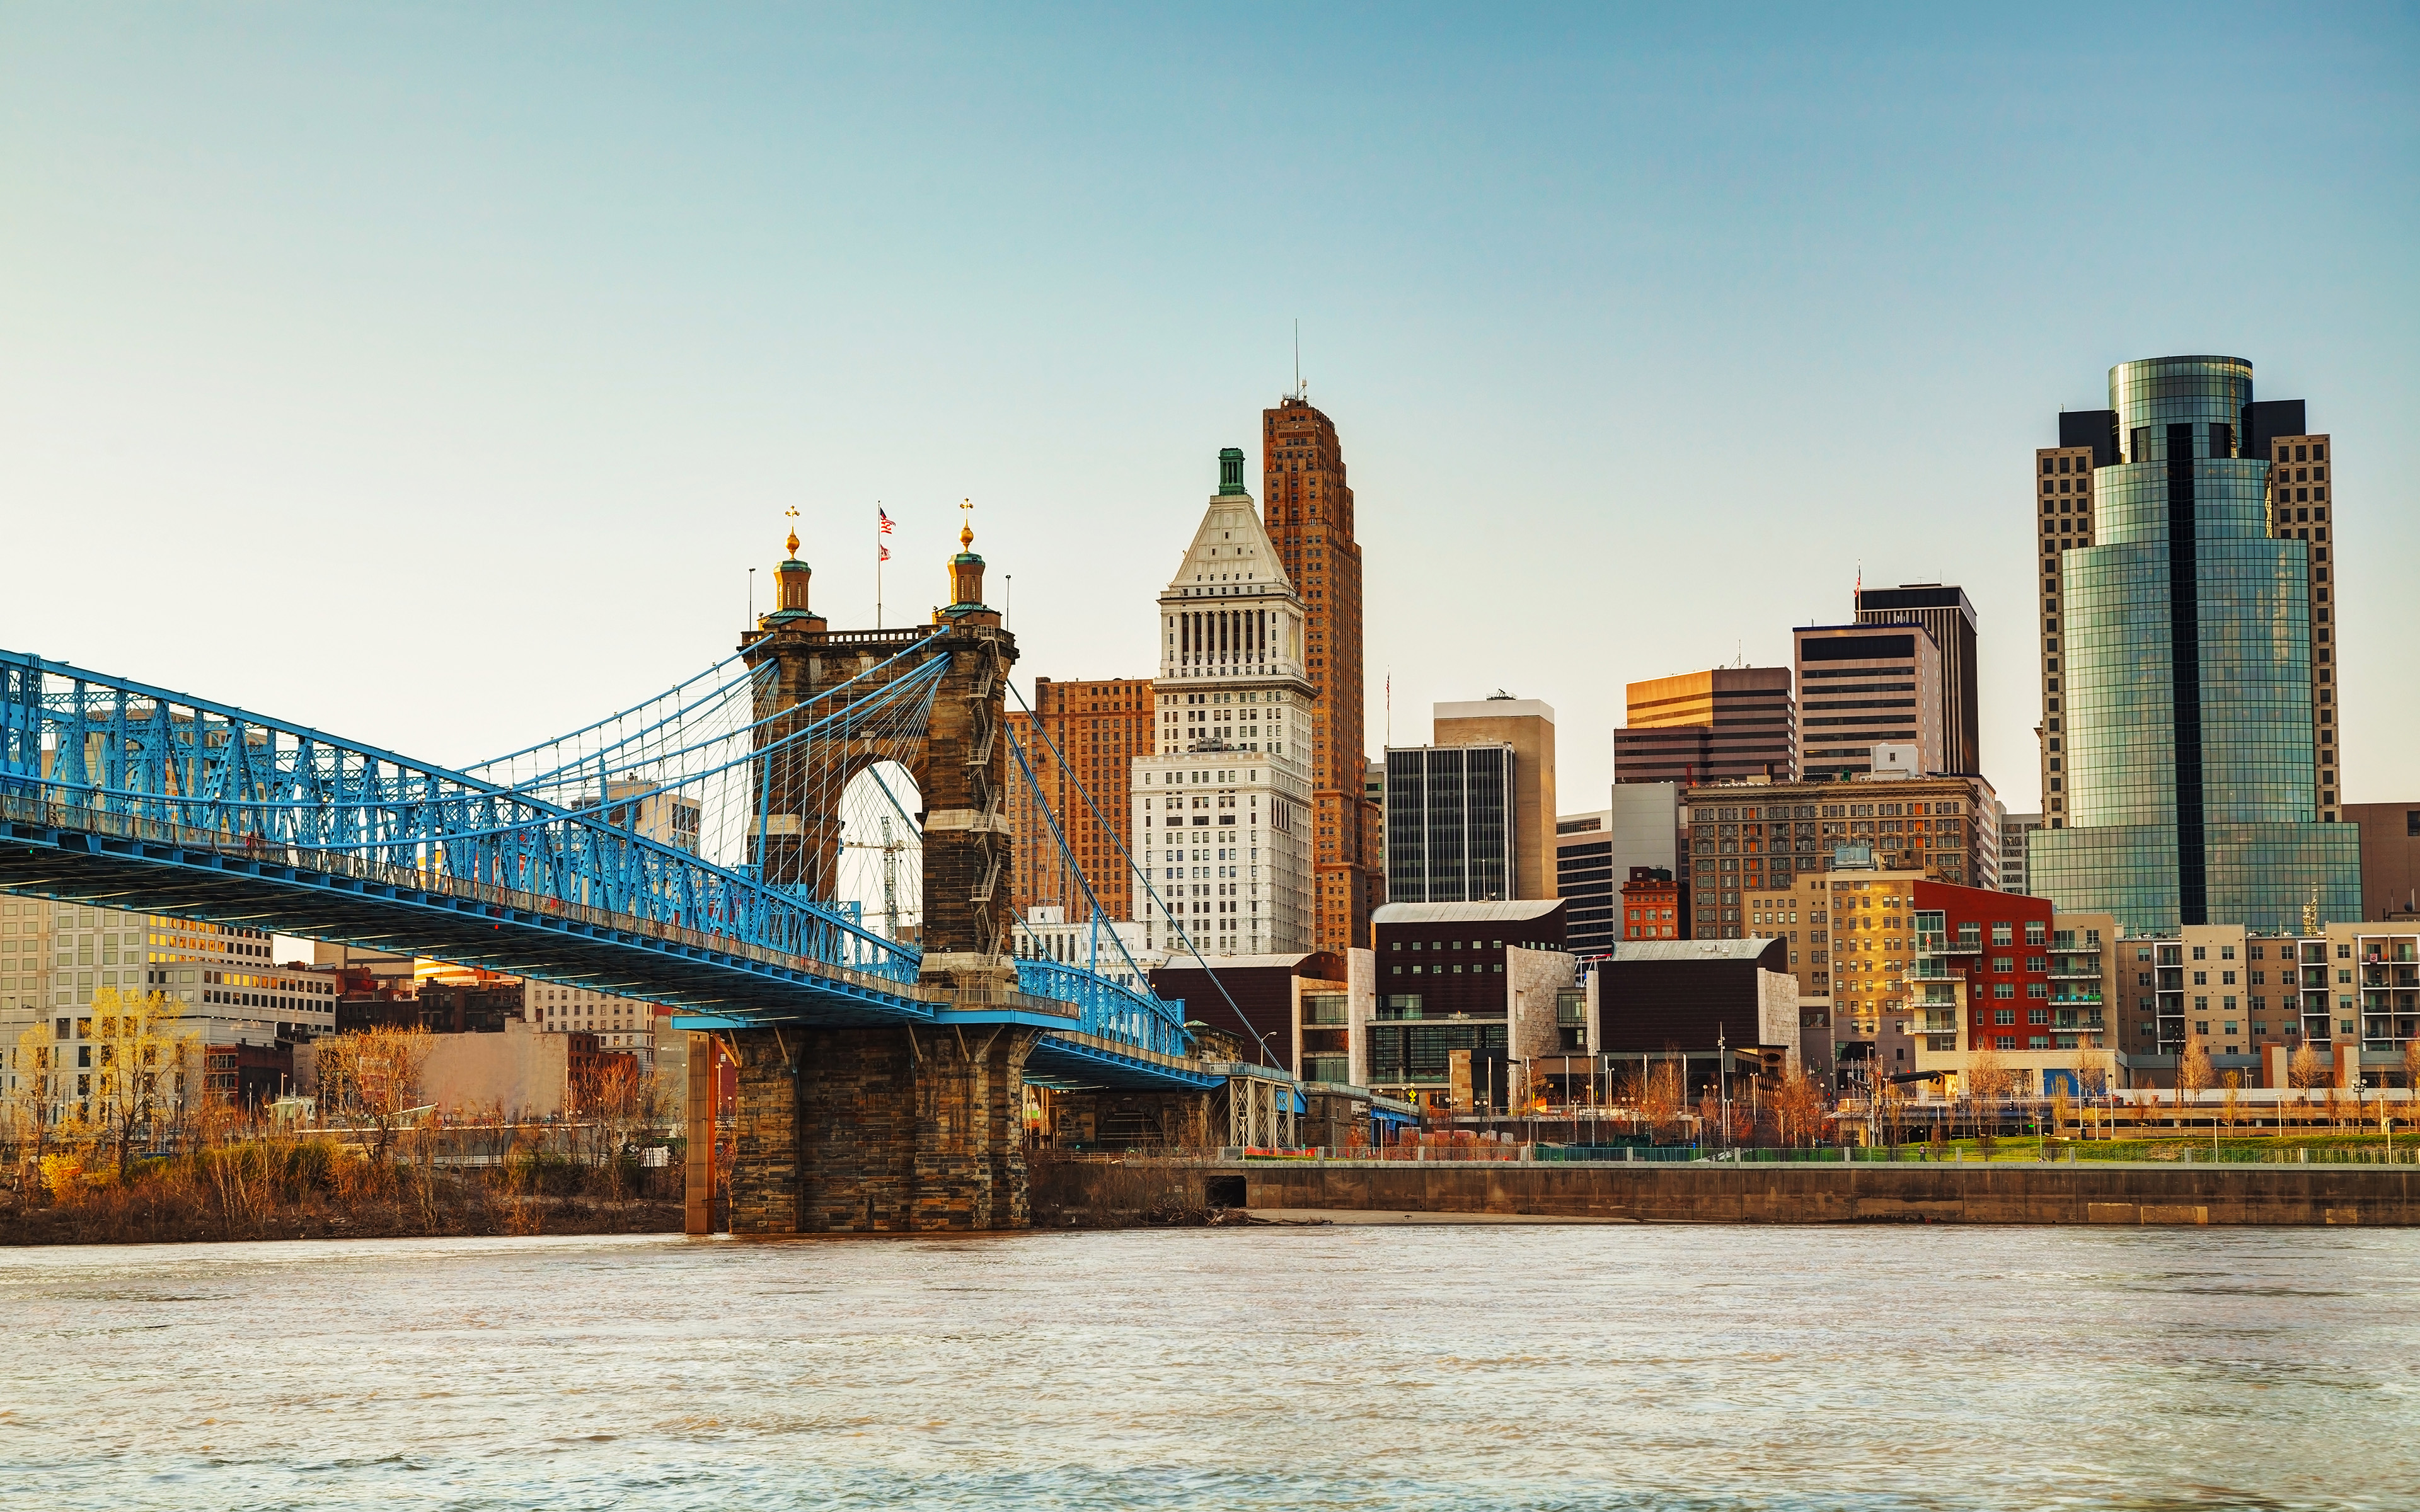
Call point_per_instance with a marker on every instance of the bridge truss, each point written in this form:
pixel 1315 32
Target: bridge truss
pixel 616 858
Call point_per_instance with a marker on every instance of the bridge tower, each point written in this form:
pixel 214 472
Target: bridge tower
pixel 888 1129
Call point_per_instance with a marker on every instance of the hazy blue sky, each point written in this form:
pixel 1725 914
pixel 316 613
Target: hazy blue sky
pixel 436 375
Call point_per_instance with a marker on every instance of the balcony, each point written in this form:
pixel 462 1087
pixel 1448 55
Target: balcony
pixel 2077 999
pixel 1933 1024
pixel 2074 971
pixel 1943 944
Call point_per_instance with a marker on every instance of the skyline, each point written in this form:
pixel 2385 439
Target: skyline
pixel 458 327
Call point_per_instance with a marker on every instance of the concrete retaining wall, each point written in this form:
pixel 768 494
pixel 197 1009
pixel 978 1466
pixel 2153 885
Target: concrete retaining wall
pixel 1855 1193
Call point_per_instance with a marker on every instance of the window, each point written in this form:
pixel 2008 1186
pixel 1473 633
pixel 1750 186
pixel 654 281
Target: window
pixel 2004 989
pixel 2201 952
pixel 2004 935
pixel 2033 932
pixel 2003 1016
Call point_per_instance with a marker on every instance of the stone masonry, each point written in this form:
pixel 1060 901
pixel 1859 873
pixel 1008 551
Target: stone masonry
pixel 893 1130
pixel 890 1129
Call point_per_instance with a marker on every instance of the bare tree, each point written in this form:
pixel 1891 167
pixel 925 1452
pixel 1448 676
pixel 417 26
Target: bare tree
pixel 2230 1103
pixel 374 1075
pixel 1988 1080
pixel 612 1098
pixel 1661 1098
pixel 2091 1078
pixel 1798 1106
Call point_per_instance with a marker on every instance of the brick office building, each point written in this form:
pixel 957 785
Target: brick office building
pixel 1653 905
pixel 1747 840
pixel 1309 519
pixel 1080 739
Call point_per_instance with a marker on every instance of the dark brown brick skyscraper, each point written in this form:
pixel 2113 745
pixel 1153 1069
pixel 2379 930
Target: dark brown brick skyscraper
pixel 1310 517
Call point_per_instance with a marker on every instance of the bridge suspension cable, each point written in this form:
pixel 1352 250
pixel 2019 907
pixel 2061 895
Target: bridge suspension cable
pixel 1139 873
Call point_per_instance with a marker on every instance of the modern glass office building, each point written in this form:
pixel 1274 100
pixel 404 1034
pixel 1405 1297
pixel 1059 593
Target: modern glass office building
pixel 2188 763
pixel 1450 836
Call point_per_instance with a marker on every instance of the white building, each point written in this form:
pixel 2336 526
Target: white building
pixel 226 990
pixel 1044 932
pixel 1222 815
pixel 624 1024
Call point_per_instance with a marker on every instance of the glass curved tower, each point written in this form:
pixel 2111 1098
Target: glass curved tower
pixel 2189 756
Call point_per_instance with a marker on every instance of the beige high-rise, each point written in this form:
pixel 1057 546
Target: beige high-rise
pixel 1527 726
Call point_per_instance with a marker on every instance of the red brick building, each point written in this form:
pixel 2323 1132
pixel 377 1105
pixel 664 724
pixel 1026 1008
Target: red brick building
pixel 1081 740
pixel 1655 906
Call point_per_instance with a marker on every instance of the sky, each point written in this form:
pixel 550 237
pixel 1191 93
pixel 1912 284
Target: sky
pixel 435 375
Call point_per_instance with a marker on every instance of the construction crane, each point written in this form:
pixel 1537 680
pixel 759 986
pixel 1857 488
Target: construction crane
pixel 891 846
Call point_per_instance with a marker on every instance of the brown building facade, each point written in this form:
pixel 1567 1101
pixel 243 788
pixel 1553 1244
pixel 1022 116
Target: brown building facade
pixel 2390 858
pixel 1080 740
pixel 1726 724
pixel 1747 839
pixel 1860 686
pixel 2299 510
pixel 1309 519
pixel 1653 906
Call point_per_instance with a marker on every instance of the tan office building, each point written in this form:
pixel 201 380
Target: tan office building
pixel 1527 726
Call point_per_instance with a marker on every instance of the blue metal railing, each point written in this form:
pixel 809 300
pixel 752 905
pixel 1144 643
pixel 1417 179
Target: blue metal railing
pixel 1107 1009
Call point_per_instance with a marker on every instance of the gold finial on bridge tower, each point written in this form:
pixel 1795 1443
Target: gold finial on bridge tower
pixel 793 513
pixel 966 577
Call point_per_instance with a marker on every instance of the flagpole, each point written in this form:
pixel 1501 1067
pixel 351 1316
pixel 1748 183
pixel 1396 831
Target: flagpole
pixel 877 563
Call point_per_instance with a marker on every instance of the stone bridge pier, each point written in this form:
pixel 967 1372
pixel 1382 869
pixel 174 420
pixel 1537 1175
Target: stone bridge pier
pixel 890 1130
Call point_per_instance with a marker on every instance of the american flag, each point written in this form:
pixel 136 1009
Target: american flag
pixel 885 551
pixel 885 521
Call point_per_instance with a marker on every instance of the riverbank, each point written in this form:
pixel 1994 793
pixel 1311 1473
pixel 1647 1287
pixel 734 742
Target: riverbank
pixel 1099 1194
pixel 315 1189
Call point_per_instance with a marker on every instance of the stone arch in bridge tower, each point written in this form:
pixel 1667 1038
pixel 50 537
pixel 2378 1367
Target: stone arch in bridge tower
pixel 960 765
pixel 858 1128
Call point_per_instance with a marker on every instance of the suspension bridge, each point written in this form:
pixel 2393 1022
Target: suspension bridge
pixel 688 851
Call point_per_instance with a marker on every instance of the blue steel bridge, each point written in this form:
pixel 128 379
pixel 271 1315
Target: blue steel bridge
pixel 680 850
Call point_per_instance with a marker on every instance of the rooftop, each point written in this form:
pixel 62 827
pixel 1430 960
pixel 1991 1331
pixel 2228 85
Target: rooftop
pixel 1460 913
pixel 1748 949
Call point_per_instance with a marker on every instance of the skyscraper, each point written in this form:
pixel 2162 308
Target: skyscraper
pixel 1860 686
pixel 1310 517
pixel 1224 804
pixel 1526 725
pixel 2179 741
pixel 1451 835
pixel 1714 726
pixel 1942 609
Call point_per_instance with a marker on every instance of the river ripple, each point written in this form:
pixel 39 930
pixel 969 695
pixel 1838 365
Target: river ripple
pixel 1529 1367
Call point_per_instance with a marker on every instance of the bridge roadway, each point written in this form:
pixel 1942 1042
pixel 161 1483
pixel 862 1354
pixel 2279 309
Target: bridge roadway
pixel 122 862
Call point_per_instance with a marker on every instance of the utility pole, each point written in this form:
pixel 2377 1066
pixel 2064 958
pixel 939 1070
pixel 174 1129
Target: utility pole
pixel 1723 1080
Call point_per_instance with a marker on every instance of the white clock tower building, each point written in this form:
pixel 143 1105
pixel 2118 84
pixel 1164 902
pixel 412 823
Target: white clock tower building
pixel 1222 812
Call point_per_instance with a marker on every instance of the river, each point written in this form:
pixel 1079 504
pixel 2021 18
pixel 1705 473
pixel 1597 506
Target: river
pixel 1534 1366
